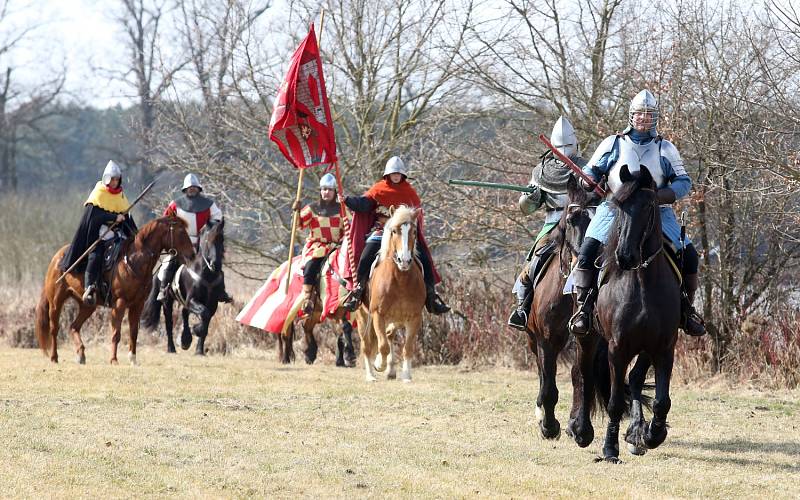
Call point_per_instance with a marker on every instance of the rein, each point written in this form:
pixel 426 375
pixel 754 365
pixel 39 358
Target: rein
pixel 648 233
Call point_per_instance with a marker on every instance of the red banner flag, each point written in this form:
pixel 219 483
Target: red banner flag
pixel 301 123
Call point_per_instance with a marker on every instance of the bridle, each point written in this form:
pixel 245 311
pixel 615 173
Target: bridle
pixel 412 231
pixel 648 233
pixel 565 241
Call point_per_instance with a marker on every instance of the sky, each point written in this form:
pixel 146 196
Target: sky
pixel 80 35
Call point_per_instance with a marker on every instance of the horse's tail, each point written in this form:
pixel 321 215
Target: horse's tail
pixel 151 314
pixel 602 382
pixel 42 321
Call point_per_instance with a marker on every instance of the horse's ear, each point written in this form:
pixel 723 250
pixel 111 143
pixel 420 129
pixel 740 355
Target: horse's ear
pixel 625 174
pixel 645 178
pixel 391 211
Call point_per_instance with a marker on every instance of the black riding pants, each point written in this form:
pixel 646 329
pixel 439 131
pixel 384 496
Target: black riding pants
pixel 312 269
pixel 94 264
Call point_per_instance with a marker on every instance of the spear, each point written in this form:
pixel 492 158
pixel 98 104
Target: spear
pixel 571 164
pixel 108 229
pixel 493 185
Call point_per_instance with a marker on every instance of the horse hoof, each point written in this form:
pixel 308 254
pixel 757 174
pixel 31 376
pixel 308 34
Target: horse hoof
pixel 114 361
pixel 406 380
pixel 551 434
pixel 199 353
pixel 613 460
pixel 636 450
pixel 171 350
pixel 81 359
pixel 655 435
pixel 391 376
pixel 539 414
pixel 132 359
pixel 370 379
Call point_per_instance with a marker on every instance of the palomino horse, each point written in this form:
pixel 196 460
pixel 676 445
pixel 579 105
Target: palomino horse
pixel 200 287
pixel 551 310
pixel 130 283
pixel 638 311
pixel 395 298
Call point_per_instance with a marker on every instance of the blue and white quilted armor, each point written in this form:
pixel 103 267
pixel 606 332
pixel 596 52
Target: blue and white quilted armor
pixel 633 148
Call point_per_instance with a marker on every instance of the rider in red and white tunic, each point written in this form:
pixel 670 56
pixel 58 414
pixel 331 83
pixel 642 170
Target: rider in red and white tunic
pixel 196 210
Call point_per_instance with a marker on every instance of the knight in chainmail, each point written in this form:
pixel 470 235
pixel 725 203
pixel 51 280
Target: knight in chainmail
pixel 549 184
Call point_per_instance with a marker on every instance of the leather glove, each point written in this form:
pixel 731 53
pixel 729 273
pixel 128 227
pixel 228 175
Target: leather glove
pixel 665 196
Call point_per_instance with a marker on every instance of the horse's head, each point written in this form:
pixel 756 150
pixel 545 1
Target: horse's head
pixel 637 216
pixel 577 215
pixel 174 238
pixel 400 237
pixel 212 245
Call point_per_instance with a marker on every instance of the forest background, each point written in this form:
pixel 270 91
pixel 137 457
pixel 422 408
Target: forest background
pixel 458 89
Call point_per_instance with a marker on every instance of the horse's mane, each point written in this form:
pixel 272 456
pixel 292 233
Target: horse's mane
pixel 402 215
pixel 149 228
pixel 576 195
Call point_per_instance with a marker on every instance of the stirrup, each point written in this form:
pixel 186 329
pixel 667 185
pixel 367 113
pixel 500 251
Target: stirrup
pixel 88 295
pixel 353 299
pixel 435 305
pixel 573 327
pixel 162 294
pixel 518 320
pixel 693 325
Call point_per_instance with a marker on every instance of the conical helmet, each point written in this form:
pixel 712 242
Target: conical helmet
pixel 564 138
pixel 644 102
pixel 111 170
pixel 191 180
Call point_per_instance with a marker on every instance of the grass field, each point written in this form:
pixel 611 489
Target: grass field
pixel 239 426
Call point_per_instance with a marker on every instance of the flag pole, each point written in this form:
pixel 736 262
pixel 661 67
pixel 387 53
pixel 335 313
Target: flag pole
pixel 295 209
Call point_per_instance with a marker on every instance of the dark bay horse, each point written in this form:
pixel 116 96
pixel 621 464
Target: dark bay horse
pixel 638 312
pixel 345 354
pixel 200 288
pixel 130 284
pixel 551 309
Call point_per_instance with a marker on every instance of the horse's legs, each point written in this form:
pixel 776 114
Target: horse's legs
pixel 54 314
pixel 379 327
pixel 657 430
pixel 117 313
pixel 75 332
pixel 548 391
pixel 634 436
pixel 310 352
pixel 368 341
pixel 202 329
pixel 580 424
pixel 134 313
pixel 391 374
pixel 186 333
pixel 168 323
pixel 285 348
pixel 616 405
pixel 409 347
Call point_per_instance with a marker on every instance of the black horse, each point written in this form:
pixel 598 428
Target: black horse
pixel 200 288
pixel 638 312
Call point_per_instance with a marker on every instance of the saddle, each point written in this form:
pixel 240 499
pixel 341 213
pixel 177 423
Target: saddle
pixel 111 256
pixel 545 255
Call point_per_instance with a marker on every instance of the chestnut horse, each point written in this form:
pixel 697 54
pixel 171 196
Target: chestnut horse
pixel 551 309
pixel 395 298
pixel 130 284
pixel 638 311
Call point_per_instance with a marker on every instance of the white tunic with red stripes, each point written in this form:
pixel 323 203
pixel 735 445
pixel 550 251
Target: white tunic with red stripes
pixel 195 221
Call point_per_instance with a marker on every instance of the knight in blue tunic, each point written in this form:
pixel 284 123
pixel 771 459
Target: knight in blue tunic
pixel 664 162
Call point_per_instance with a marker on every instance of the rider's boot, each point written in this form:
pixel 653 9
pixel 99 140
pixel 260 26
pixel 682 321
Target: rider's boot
pixel 691 321
pixel 93 262
pixel 433 303
pixel 354 298
pixel 308 299
pixel 171 266
pixel 585 284
pixel 524 290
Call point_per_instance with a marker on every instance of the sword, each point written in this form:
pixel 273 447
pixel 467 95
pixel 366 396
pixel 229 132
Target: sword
pixel 571 164
pixel 108 229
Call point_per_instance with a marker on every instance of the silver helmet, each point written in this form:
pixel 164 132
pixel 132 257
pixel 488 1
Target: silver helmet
pixel 564 138
pixel 111 170
pixel 644 102
pixel 327 181
pixel 395 166
pixel 191 180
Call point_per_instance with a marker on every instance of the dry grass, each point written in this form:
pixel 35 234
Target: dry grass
pixel 240 426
